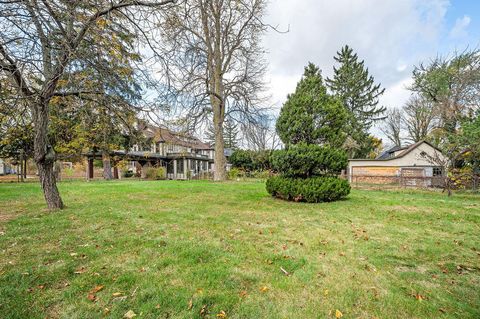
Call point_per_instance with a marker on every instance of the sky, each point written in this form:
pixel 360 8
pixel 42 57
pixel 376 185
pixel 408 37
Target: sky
pixel 392 36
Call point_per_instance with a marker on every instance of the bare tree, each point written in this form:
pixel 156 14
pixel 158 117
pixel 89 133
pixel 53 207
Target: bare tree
pixel 419 118
pixel 261 135
pixel 392 126
pixel 213 58
pixel 39 41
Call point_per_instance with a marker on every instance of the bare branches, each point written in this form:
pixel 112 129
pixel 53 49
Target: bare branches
pixel 392 127
pixel 419 118
pixel 215 65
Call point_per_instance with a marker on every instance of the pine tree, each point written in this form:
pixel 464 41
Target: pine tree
pixel 357 90
pixel 310 114
pixel 210 134
pixel 230 134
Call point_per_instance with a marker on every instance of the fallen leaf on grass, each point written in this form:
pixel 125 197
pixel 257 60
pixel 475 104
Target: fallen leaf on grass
pixel 80 270
pixel 96 289
pixel 129 314
pixel 117 294
pixel 264 289
pixel 221 314
pixel 91 294
pixel 325 293
pixel 190 304
pixel 419 297
pixel 203 311
pixel 243 294
pixel 338 314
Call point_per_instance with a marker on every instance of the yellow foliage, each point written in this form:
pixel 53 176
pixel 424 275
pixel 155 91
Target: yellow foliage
pixel 101 23
pixel 55 100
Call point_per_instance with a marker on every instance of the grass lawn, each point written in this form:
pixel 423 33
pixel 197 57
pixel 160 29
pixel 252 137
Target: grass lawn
pixel 172 249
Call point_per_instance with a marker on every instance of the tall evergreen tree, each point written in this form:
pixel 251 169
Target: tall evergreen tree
pixel 357 90
pixel 310 114
pixel 230 134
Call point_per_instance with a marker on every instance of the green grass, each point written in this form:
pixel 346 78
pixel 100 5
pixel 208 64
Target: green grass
pixel 168 249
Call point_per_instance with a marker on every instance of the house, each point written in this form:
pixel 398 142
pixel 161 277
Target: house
pixel 413 165
pixel 5 168
pixel 184 156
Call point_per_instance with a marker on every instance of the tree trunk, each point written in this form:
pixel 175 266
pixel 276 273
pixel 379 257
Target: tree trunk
pixel 107 166
pixel 25 169
pixel 220 173
pixel 45 158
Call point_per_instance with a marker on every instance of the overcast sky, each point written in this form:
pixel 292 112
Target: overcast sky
pixel 390 35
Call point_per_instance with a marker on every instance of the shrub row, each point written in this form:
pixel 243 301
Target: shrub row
pixel 156 173
pixel 249 160
pixel 306 160
pixel 311 190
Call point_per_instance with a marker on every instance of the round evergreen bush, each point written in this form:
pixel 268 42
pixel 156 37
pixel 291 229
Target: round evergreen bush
pixel 305 160
pixel 311 190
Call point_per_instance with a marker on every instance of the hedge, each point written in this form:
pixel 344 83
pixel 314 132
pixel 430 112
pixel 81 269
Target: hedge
pixel 310 190
pixel 156 173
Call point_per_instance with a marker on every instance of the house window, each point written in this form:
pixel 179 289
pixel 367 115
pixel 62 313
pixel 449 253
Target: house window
pixel 180 166
pixel 437 171
pixel 170 147
pixel 170 167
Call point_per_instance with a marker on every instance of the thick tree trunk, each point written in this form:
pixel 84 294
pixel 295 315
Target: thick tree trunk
pixel 220 173
pixel 107 166
pixel 45 158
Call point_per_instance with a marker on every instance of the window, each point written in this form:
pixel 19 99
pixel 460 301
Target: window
pixel 437 171
pixel 180 166
pixel 170 167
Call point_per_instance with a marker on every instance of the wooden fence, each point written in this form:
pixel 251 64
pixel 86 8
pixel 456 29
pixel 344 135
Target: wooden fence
pixel 468 183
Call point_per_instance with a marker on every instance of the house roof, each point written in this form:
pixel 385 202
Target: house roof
pixel 388 153
pixel 406 150
pixel 164 135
